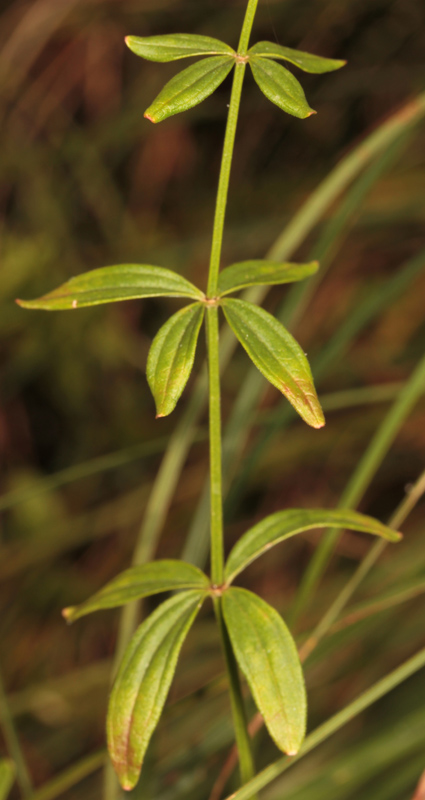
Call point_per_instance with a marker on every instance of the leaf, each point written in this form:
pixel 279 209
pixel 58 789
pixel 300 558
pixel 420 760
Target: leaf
pixel 280 87
pixel 277 355
pixel 143 681
pixel 110 284
pixel 141 581
pixel 284 524
pixel 267 655
pixel 171 357
pixel 262 273
pixel 173 46
pixel 305 61
pixel 190 87
pixel 7 777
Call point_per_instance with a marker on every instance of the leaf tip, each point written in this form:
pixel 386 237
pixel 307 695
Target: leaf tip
pixel 149 117
pixel 68 613
pixel 159 416
pixel 311 113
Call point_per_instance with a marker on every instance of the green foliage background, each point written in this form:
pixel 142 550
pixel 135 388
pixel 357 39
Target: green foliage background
pixel 87 182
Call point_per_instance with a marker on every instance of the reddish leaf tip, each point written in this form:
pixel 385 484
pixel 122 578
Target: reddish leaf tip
pixel 148 116
pixel 67 613
pixel 18 301
pixel 311 113
pixel 159 416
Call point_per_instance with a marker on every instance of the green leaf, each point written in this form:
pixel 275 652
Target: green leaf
pixel 305 61
pixel 262 273
pixel 277 355
pixel 7 777
pixel 280 87
pixel 190 87
pixel 173 46
pixel 142 581
pixel 267 655
pixel 171 357
pixel 110 284
pixel 284 524
pixel 143 681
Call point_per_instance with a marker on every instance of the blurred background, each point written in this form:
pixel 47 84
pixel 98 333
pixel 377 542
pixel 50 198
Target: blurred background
pixel 87 182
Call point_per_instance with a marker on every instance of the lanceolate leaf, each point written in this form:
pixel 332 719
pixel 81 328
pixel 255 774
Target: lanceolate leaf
pixel 174 46
pixel 143 681
pixel 305 61
pixel 277 355
pixel 171 357
pixel 280 86
pixel 267 655
pixel 284 524
pixel 142 581
pixel 190 87
pixel 7 776
pixel 262 273
pixel 109 284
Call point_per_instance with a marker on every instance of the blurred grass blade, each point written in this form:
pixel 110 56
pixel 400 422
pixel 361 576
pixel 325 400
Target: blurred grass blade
pixel 110 284
pixel 143 681
pixel 361 478
pixel 262 273
pixel 277 355
pixel 190 87
pixel 267 655
pixel 334 724
pixel 173 46
pixel 158 576
pixel 305 61
pixel 280 87
pixel 171 357
pixel 285 524
pixel 7 777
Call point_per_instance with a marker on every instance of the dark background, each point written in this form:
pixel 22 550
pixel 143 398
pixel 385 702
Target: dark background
pixel 87 182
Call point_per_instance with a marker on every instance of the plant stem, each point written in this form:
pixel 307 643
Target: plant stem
pixel 216 489
pixel 229 143
pixel 246 763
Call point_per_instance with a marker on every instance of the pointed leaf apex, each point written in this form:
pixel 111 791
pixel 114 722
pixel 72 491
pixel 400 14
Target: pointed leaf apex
pixel 159 416
pixel 312 113
pixel 148 116
pixel 67 613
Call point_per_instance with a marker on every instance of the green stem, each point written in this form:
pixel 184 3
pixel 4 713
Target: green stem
pixel 246 763
pixel 228 148
pixel 216 489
